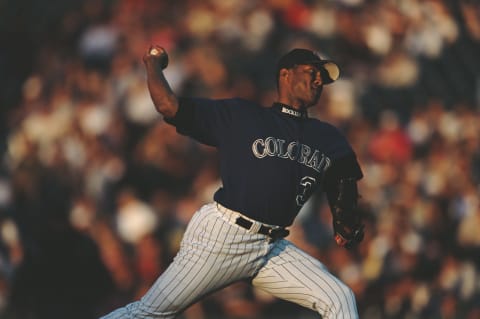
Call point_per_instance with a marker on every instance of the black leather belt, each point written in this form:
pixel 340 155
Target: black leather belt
pixel 272 232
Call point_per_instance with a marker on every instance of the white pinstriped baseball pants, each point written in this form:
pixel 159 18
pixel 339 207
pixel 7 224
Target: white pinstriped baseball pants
pixel 216 252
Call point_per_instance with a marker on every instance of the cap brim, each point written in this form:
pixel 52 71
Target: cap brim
pixel 332 71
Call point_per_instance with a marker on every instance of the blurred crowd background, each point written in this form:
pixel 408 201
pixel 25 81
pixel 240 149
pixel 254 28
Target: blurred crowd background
pixel 96 190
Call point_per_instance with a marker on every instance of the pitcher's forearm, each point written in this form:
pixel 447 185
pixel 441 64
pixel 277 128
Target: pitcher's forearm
pixel 164 99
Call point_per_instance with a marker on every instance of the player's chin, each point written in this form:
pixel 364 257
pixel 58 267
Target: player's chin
pixel 314 100
pixel 318 93
pixel 315 96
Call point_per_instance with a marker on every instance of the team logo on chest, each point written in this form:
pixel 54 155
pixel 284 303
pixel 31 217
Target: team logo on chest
pixel 294 151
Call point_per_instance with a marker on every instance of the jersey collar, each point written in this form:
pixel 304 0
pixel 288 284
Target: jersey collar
pixel 284 108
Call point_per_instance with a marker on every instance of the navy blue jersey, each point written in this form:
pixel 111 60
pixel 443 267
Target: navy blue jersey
pixel 271 158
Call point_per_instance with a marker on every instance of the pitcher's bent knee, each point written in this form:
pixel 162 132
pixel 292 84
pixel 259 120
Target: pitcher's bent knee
pixel 339 302
pixel 138 310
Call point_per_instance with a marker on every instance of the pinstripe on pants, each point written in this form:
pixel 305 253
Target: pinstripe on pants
pixel 215 253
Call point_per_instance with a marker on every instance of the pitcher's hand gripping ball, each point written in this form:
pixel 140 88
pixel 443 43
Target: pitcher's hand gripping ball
pixel 156 54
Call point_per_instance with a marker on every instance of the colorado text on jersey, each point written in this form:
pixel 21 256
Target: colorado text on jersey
pixel 294 151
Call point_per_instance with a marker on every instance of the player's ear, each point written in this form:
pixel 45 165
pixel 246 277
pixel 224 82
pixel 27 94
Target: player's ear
pixel 282 76
pixel 283 73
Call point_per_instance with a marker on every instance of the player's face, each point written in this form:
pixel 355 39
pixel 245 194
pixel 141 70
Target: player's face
pixel 306 85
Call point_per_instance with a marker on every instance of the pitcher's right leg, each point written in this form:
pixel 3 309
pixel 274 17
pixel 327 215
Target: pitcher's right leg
pixel 213 254
pixel 173 291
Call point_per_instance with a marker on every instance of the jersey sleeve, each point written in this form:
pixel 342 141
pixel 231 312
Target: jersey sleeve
pixel 344 167
pixel 205 120
pixel 344 163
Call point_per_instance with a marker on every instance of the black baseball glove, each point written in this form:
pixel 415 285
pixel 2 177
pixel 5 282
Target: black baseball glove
pixel 348 228
pixel 347 217
pixel 340 185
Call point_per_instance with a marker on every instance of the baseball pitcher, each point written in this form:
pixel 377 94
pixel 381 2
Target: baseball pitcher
pixel 271 160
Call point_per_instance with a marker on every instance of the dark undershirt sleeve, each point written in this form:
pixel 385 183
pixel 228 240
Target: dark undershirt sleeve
pixel 344 167
pixel 184 117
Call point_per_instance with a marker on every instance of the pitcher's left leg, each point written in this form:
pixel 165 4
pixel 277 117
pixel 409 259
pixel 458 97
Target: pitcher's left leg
pixel 293 275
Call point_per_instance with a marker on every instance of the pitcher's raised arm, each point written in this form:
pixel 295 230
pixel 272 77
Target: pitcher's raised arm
pixel 165 101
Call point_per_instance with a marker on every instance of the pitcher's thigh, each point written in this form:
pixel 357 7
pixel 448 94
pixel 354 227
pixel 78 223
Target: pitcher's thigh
pixel 182 283
pixel 293 275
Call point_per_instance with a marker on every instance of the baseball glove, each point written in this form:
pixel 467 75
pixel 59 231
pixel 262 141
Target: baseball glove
pixel 342 194
pixel 348 228
pixel 347 217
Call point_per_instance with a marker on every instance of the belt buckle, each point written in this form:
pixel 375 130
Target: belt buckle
pixel 276 233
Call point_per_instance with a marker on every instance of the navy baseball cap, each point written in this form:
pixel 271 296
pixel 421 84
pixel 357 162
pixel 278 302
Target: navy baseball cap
pixel 328 69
